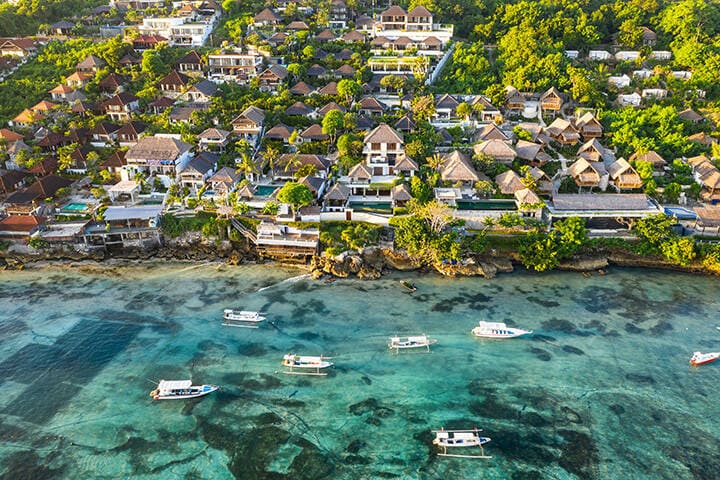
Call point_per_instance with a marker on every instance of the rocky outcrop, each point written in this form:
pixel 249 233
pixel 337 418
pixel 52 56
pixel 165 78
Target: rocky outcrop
pixel 583 264
pixel 371 262
pixel 400 260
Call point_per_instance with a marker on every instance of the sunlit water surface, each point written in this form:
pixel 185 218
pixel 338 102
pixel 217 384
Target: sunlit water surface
pixel 602 390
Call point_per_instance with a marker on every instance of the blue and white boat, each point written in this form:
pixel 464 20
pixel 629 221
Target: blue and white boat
pixel 498 330
pixel 180 389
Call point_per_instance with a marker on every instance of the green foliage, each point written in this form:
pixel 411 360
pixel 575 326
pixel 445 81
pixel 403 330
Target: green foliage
pixel 204 222
pixel 270 208
pixel 654 128
pixel 711 258
pixel 654 229
pixel 295 194
pixel 420 190
pixel 37 243
pixel 571 234
pixel 543 251
pixel 337 237
pixel 679 250
pixel 468 70
pixel 672 192
pixel 539 251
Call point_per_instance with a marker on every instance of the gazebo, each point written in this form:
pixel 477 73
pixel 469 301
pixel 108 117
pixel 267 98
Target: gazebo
pixel 129 188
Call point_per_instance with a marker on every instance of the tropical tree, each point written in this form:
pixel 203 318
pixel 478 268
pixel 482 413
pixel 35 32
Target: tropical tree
pixel 296 195
pixel 247 165
pixel 464 110
pixel 349 89
pixel 435 162
pixel 423 107
pixel 332 123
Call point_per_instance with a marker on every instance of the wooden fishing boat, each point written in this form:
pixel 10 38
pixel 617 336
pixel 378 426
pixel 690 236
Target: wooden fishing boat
pixel 445 439
pixel 409 286
pixel 700 358
pixel 241 318
pixel 304 365
pixel 404 343
pixel 180 389
pixel 498 330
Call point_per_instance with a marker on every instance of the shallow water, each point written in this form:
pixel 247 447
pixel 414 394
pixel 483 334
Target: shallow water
pixel 602 390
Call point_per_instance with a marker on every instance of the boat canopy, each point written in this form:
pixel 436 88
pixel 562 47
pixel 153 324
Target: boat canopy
pixel 420 339
pixel 174 384
pixel 498 325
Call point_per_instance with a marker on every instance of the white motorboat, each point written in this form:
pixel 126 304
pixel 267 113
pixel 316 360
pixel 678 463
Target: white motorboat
pixel 305 364
pixel 700 358
pixel 498 330
pixel 460 439
pixel 242 318
pixel 403 343
pixel 180 389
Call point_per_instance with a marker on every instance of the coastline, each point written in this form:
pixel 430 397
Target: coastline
pixel 369 264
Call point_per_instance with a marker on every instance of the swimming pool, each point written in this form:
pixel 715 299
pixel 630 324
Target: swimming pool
pixel 265 190
pixel 384 207
pixel 75 208
pixel 680 213
pixel 486 204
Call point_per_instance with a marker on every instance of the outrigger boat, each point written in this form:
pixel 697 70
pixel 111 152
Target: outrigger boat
pixel 460 439
pixel 410 287
pixel 241 318
pixel 403 343
pixel 305 364
pixel 498 330
pixel 180 389
pixel 700 358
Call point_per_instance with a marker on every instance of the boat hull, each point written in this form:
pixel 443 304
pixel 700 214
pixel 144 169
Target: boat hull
pixel 704 359
pixel 206 390
pixel 482 334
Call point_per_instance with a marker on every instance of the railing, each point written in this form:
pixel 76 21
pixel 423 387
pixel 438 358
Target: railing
pixel 244 231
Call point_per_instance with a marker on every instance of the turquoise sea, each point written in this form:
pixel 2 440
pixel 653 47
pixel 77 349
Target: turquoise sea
pixel 603 390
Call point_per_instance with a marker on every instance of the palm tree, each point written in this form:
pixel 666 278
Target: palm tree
pixel 435 161
pixel 271 155
pixel 293 163
pixel 247 165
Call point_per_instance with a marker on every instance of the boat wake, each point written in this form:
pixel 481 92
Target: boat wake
pixel 287 280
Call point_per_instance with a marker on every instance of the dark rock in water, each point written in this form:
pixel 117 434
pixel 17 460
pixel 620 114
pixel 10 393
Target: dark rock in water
pixel 246 381
pixel 595 325
pixel 630 328
pixel 268 418
pixel 579 454
pixel 527 475
pixel 28 465
pixel 356 460
pixel 560 325
pixel 309 335
pixel 656 416
pixel 309 463
pixel 541 354
pixel 491 407
pixel 617 409
pixel 532 450
pixel 536 337
pixel 661 328
pixel 643 379
pixel 542 302
pixel 355 446
pixel 611 334
pixel 534 420
pixel 373 421
pixel 366 380
pixel 479 387
pixel 573 350
pixel 571 415
pixel 444 307
pixel 385 475
pixel 371 405
pixel 702 462
pixel 252 349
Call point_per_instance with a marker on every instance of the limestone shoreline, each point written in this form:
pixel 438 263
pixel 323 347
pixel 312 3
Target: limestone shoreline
pixel 370 263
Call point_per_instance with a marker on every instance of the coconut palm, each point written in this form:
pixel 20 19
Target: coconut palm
pixel 435 161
